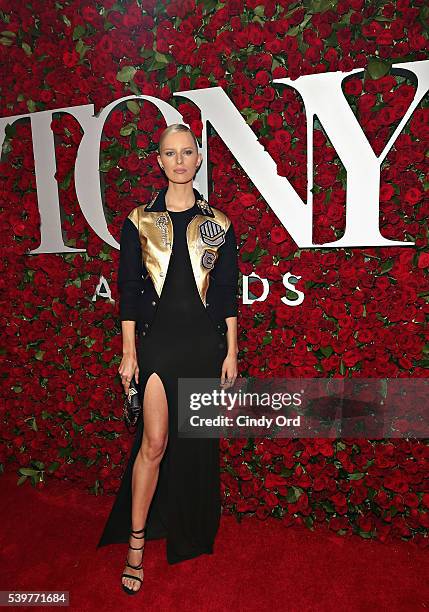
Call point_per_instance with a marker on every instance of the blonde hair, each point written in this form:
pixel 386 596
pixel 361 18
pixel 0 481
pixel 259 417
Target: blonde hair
pixel 176 127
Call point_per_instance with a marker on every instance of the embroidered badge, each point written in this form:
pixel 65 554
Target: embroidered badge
pixel 161 224
pixel 208 258
pixel 212 233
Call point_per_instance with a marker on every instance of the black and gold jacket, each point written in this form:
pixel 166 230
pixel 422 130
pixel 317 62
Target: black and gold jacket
pixel 145 248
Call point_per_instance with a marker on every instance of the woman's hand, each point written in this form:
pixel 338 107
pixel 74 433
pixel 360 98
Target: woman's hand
pixel 127 369
pixel 229 371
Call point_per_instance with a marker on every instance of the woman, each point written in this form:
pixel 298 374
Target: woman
pixel 187 327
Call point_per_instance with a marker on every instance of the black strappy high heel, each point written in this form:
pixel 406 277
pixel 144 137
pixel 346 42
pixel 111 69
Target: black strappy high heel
pixel 135 567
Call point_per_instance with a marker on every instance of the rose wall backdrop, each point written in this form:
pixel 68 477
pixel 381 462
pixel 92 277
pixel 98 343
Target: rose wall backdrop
pixel 365 309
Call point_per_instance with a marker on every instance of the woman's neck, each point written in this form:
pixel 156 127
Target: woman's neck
pixel 179 197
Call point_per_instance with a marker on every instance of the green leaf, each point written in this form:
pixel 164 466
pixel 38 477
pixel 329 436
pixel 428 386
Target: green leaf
pixel 8 34
pixel 377 68
pixel 27 49
pixel 65 183
pixel 293 31
pixel 255 255
pixel 21 480
pixel 31 105
pixel 208 5
pixel 27 472
pixel 356 476
pixel 53 466
pixel 127 129
pixel 327 505
pixel 145 52
pixel 133 87
pixel 276 63
pixel 89 341
pixel 327 350
pixel 10 130
pixel 133 107
pixel 78 32
pixel 387 266
pixel 320 6
pixel 107 165
pixel 33 425
pixel 81 48
pixel 293 494
pixel 250 114
pixel 126 74
pixel 308 520
pixel 161 58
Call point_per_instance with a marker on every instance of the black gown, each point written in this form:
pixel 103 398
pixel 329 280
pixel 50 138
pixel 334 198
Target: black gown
pixel 182 342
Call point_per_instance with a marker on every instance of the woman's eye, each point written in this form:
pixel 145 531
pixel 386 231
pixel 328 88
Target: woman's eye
pixel 189 152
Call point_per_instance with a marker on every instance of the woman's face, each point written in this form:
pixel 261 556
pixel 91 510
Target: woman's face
pixel 179 157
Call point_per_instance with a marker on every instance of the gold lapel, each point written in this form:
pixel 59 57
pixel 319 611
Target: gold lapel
pixel 204 236
pixel 156 240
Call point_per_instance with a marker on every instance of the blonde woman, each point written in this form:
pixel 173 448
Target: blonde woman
pixel 177 281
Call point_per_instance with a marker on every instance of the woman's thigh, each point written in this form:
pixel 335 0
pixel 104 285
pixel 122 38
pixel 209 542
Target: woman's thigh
pixel 155 414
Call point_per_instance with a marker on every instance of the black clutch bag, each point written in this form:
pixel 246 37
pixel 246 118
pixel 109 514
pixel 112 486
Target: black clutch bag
pixel 132 405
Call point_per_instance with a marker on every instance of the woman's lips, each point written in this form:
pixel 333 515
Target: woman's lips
pixel 180 171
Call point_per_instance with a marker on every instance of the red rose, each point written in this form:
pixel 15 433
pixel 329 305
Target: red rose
pixel 273 480
pixel 413 195
pixel 423 261
pixel 278 234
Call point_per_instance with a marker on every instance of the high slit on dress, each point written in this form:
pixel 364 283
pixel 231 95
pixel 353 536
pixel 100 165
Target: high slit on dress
pixel 182 342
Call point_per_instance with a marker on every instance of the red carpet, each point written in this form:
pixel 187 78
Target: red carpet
pixel 49 537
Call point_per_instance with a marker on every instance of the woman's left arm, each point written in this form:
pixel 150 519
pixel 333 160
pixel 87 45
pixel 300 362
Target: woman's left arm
pixel 227 282
pixel 229 366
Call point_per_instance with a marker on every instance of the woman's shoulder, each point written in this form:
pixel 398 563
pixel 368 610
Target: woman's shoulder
pixel 135 214
pixel 220 217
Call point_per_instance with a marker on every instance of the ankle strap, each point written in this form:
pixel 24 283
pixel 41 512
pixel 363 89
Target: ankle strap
pixel 138 537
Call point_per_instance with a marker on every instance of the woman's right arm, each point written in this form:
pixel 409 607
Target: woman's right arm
pixel 129 287
pixel 128 366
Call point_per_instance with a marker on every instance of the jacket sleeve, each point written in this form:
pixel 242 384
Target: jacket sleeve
pixel 130 272
pixel 226 273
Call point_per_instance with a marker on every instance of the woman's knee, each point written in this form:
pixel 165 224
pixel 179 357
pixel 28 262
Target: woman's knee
pixel 153 447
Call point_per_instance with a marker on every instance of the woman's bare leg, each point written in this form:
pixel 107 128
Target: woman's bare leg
pixel 146 467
